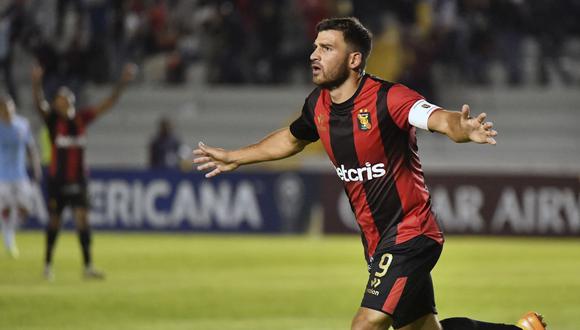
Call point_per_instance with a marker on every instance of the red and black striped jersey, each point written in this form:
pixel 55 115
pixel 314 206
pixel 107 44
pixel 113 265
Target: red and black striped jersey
pixel 68 142
pixel 373 148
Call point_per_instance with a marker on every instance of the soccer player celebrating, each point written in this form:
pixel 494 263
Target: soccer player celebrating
pixel 367 127
pixel 16 141
pixel 67 179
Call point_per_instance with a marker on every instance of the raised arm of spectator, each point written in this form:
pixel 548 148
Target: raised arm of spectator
pixel 460 127
pixel 279 144
pixel 40 103
pixel 128 74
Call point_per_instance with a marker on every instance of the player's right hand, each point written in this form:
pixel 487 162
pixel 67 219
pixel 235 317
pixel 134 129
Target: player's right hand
pixel 216 160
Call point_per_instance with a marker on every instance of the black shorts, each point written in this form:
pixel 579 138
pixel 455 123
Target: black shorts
pixel 61 195
pixel 400 280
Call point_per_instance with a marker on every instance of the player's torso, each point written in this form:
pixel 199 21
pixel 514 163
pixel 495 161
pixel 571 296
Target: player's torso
pixel 351 138
pixel 13 139
pixel 68 139
pixel 377 163
pixel 358 135
pixel 67 133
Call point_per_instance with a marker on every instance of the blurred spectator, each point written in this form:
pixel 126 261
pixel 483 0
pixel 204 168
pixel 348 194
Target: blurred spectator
pixel 130 36
pixel 175 69
pixel 16 26
pixel 164 148
pixel 6 54
pixel 388 57
pixel 269 37
pixel 228 45
pixel 510 19
pixel 160 35
pixel 62 17
pixel 98 42
pixel 268 41
pixel 421 46
pixel 475 40
pixel 551 31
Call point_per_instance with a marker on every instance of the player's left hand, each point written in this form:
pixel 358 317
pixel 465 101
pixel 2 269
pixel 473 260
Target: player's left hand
pixel 477 129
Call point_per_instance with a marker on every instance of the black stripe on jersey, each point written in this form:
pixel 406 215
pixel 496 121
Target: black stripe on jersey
pixel 392 208
pixel 344 150
pixel 342 139
pixel 312 100
pixel 384 203
pixel 74 131
pixel 50 121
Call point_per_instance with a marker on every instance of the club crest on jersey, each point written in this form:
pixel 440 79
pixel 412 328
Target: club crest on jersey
pixel 364 119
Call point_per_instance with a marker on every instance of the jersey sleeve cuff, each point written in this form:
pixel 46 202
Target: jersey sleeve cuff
pixel 420 112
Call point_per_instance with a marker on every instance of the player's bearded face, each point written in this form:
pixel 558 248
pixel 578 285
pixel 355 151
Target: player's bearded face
pixel 329 60
pixel 333 75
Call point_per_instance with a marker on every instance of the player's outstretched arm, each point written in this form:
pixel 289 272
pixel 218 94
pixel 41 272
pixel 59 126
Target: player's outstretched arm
pixel 460 127
pixel 279 144
pixel 40 103
pixel 128 74
pixel 34 159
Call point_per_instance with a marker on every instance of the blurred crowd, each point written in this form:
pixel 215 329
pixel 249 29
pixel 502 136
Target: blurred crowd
pixel 269 41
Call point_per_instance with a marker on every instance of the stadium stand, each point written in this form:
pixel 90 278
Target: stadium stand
pixel 538 127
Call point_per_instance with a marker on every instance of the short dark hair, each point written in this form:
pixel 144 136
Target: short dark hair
pixel 355 34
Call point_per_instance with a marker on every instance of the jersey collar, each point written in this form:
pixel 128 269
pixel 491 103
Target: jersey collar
pixel 347 106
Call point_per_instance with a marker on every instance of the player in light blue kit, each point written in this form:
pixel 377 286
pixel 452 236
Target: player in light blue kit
pixel 15 190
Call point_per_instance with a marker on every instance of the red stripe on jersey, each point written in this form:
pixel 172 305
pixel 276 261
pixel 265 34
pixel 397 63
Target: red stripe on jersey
pixel 405 99
pixel 395 295
pixel 74 154
pixel 82 127
pixel 61 129
pixel 364 216
pixel 72 159
pixel 322 120
pixel 418 219
pixel 417 209
pixel 365 141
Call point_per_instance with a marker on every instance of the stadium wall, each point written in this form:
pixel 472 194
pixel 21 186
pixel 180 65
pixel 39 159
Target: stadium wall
pixel 300 201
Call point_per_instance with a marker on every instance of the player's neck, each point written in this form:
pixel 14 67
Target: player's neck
pixel 345 91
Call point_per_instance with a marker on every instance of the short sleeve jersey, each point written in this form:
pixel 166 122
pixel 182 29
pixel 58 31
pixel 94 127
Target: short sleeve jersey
pixel 68 141
pixel 373 147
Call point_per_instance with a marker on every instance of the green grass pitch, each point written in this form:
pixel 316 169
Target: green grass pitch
pixel 206 282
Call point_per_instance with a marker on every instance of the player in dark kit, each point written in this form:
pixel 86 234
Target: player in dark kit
pixel 367 127
pixel 67 175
